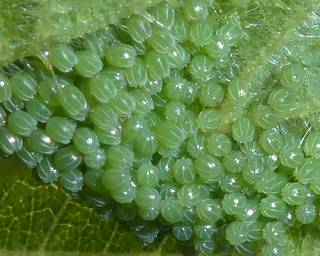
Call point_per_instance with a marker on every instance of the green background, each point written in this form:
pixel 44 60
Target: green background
pixel 42 220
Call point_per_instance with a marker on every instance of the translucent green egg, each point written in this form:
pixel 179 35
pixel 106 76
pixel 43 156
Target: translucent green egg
pixel 67 158
pixel 232 183
pixel 152 119
pixel 5 88
pixel 93 179
pixel 231 32
pixel 40 142
pixel 124 103
pixel 209 120
pixel 282 100
pixel 209 210
pixel 71 180
pixel 144 102
pixel 182 232
pixel 189 216
pixel 117 76
pixel 48 90
pixel 169 135
pixel 39 110
pixel 202 68
pixel 138 28
pixel 243 130
pixel 23 86
pixel 134 128
pixel 62 57
pixel 95 43
pixel 161 40
pixel 149 214
pixel 196 145
pixel 311 145
pixel 125 194
pixel 167 190
pixel 178 57
pixel 292 76
pixel 265 117
pixel 271 182
pixel 307 173
pixel 201 32
pixel 219 144
pixel 13 104
pixel 121 55
pixel 237 232
pixel 10 143
pixel 157 64
pixel 189 124
pixel 163 15
pixel 116 178
pixel 85 140
pixel 255 230
pixel 147 175
pixel 147 198
pixel 110 135
pixel 153 86
pixel 120 156
pixel 239 91
pixel 175 111
pixel 28 157
pixel 274 233
pixel 195 9
pixel 234 162
pixel 60 129
pixel 204 246
pixel 273 207
pixel 89 64
pixel 234 203
pixel 103 116
pixel 204 231
pixel 272 250
pixel 171 210
pixel 95 159
pixel 177 89
pixel 189 195
pixel 180 27
pixel 21 123
pixel 291 157
pixel 306 213
pixel 146 143
pixel 183 171
pixel 211 94
pixel 251 212
pixel 136 75
pixel 208 168
pixel 218 48
pixel 294 193
pixel 165 169
pixel 73 102
pixel 47 172
pixel 252 149
pixel 103 87
pixel 271 141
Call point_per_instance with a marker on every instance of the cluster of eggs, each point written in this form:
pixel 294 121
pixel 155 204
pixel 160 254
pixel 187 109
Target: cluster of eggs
pixel 137 114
